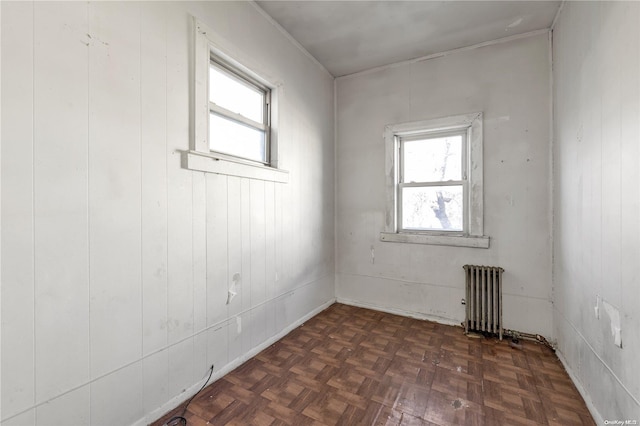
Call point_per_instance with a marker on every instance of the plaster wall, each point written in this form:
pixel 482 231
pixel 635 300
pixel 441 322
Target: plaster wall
pixel 597 202
pixel 116 260
pixel 510 83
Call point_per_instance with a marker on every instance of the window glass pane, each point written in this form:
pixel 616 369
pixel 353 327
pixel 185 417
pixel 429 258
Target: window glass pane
pixel 432 208
pixel 232 138
pixel 432 160
pixel 230 93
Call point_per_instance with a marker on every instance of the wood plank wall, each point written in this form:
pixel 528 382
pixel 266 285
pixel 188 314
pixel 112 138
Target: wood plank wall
pixel 116 261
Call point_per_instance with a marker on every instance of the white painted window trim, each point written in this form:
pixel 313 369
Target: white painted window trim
pixel 200 157
pixel 474 236
pixel 217 163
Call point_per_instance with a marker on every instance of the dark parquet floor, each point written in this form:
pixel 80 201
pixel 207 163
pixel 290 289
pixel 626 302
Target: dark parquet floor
pixel 354 366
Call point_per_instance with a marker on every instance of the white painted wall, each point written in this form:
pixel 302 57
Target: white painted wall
pixel 510 83
pixel 597 201
pixel 116 261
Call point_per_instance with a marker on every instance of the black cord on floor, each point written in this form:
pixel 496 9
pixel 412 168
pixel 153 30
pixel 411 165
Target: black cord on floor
pixel 181 420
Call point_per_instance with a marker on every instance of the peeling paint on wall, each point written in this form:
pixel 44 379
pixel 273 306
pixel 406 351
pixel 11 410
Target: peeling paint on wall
pixel 614 318
pixel 613 314
pixel 233 288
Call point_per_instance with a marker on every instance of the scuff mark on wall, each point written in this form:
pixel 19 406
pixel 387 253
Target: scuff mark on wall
pixel 514 24
pixel 96 39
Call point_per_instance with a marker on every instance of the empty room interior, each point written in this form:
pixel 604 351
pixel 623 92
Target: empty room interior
pixel 368 212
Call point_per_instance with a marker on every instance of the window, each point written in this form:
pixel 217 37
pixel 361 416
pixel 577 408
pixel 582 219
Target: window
pixel 238 113
pixel 234 117
pixel 434 182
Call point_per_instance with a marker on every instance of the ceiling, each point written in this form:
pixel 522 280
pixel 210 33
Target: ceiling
pixel 351 36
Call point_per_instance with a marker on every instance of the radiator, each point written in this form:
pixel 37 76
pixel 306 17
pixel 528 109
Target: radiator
pixel 484 299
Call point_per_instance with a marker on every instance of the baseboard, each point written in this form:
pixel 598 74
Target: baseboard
pixel 189 392
pixel 587 398
pixel 401 312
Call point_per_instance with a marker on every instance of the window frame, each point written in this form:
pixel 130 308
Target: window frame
pixel 200 157
pixel 473 210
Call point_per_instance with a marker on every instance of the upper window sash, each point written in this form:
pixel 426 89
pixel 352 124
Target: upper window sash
pixel 425 137
pixel 263 121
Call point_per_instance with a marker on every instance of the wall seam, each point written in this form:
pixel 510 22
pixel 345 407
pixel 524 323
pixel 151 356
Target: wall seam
pixel 33 208
pixel 0 206
pixel 557 16
pixel 552 171
pixel 206 263
pixel 335 187
pixel 289 37
pixel 142 280
pixel 446 53
pixel 89 364
pixel 226 284
pixel 166 186
pixel 33 203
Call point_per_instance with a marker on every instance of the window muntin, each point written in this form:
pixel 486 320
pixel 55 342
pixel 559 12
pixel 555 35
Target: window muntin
pixel 432 182
pixel 239 114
